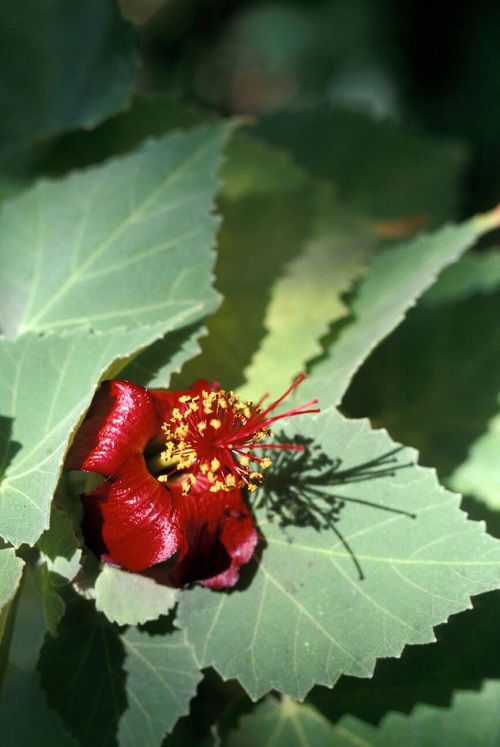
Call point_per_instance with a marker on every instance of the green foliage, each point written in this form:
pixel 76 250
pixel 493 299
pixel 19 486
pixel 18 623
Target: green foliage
pixel 307 297
pixel 395 279
pixel 110 299
pixel 83 661
pixel 131 598
pixel 120 267
pixel 46 86
pixel 470 722
pixel 434 383
pixel 367 536
pixel 377 166
pixel 166 667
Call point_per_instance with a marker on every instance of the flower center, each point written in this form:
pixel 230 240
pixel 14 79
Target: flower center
pixel 212 437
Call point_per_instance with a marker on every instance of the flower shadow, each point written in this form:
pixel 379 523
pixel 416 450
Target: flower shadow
pixel 299 492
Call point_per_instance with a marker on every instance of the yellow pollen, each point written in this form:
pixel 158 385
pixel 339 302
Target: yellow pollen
pixel 214 465
pixel 215 423
pixel 185 398
pixel 201 426
pixel 162 478
pixel 266 463
pixel 244 461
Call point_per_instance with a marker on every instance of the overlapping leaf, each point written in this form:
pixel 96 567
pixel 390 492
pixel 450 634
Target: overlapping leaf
pixel 307 297
pixel 131 598
pixel 472 721
pixel 348 578
pixel 113 270
pixel 162 676
pixel 77 666
pixel 71 65
pixel 395 279
pixel 434 382
pixel 479 475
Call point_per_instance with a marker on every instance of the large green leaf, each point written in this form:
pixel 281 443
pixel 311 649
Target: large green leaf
pixel 65 63
pixel 466 653
pixel 377 166
pixel 307 297
pixel 162 676
pixel 350 577
pixel 124 273
pixel 82 673
pixel 394 281
pixel 125 244
pixel 472 721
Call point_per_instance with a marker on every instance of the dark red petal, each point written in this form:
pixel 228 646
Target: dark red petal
pixel 219 537
pixel 119 424
pixel 164 401
pixel 130 519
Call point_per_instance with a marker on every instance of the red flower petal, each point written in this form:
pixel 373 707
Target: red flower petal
pixel 130 519
pixel 119 424
pixel 219 537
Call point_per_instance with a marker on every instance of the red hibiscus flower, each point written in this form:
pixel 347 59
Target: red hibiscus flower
pixel 176 464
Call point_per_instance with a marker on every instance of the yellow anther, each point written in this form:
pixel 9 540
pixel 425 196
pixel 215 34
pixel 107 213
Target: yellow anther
pixel 185 398
pixel 214 465
pixel 176 414
pixel 244 461
pixel 266 463
pixel 252 488
pixel 204 469
pixel 215 423
pixel 162 478
pixel 201 426
pixel 230 481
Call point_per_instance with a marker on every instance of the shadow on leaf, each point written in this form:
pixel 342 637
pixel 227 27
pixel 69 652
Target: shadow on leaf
pixel 300 491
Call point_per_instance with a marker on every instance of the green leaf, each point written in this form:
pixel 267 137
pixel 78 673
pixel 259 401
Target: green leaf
pixel 68 368
pixel 131 598
pixel 377 167
pixel 395 279
pixel 351 576
pixel 283 723
pixel 59 547
pixel 162 676
pixel 65 64
pixel 132 224
pixel 11 568
pixel 473 274
pixel 307 298
pixel 471 721
pixel 465 654
pixel 155 290
pixel 479 475
pixel 82 673
pixel 434 382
